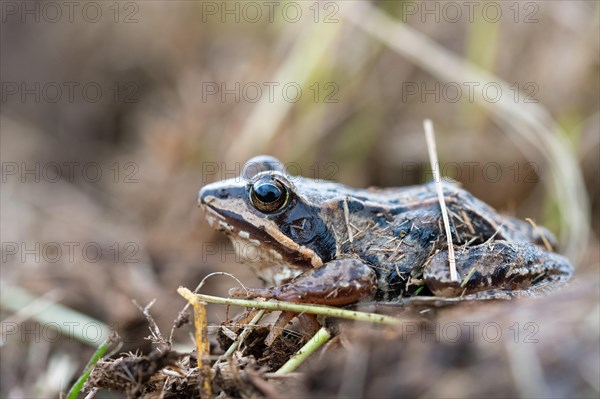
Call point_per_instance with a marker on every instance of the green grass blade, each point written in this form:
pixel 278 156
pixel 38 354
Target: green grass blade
pixel 76 388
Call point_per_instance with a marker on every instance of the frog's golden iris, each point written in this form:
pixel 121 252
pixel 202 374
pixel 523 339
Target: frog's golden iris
pixel 268 194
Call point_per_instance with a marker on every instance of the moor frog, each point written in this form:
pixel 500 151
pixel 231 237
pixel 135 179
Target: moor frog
pixel 322 242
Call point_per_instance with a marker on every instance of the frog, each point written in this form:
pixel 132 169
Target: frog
pixel 321 242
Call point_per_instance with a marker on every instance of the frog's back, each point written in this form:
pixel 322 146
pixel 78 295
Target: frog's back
pixel 400 245
pixel 480 219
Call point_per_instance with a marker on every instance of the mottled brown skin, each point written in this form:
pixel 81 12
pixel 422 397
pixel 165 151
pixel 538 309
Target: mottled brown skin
pixel 322 242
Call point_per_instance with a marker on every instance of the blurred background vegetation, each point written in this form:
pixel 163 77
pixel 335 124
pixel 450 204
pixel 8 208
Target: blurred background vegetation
pixel 164 97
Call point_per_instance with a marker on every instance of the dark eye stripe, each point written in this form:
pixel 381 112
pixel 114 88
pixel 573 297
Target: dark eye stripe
pixel 303 224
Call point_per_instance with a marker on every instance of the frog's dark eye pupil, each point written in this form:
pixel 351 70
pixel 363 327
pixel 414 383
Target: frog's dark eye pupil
pixel 268 196
pixel 267 192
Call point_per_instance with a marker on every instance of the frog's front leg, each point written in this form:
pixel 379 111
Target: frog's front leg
pixel 497 269
pixel 336 283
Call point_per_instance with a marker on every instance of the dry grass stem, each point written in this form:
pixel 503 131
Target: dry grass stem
pixel 537 229
pixel 429 135
pixel 347 219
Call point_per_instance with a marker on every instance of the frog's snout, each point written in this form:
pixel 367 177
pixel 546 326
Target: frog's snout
pixel 203 195
pixel 217 191
pixel 208 193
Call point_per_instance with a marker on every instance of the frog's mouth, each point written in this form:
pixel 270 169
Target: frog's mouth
pixel 260 239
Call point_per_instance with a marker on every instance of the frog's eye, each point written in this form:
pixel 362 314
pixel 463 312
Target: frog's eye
pixel 268 195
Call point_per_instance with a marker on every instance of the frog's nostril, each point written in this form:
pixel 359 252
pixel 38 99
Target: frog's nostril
pixel 222 193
